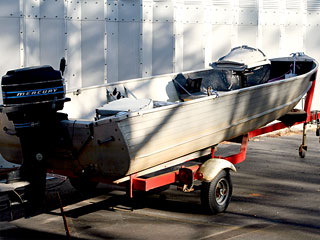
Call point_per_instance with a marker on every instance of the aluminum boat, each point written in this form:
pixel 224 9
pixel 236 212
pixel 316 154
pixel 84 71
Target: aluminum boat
pixel 146 122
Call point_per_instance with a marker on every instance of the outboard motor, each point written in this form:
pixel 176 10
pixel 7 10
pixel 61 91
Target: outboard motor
pixel 31 98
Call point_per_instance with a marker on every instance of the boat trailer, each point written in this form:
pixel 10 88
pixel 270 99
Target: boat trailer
pixel 207 167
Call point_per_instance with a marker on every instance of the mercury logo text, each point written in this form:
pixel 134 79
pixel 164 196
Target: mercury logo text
pixel 36 92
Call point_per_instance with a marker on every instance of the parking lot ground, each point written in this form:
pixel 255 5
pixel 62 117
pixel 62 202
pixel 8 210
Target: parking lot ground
pixel 276 195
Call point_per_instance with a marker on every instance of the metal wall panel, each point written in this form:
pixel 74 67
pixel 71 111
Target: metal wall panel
pixel 129 30
pixel 52 32
pixel 92 53
pixel 194 14
pixel 128 50
pixel 9 8
pixel 112 11
pixel 146 49
pixel 129 11
pixel 293 34
pixel 294 4
pixel 270 17
pixel 111 40
pixel 32 8
pixel 313 5
pixel 32 42
pixel 52 41
pixel 193 36
pixel 223 15
pixel 221 2
pixel 178 28
pixel 73 55
pixel 222 36
pixel 92 43
pixel 162 48
pixel 207 32
pixel 294 17
pixel 248 16
pixel 162 37
pixel 247 35
pixel 270 4
pixel 146 39
pixel 32 32
pixel 52 9
pixel 163 11
pixel 270 43
pixel 248 4
pixel 112 31
pixel 293 39
pixel 74 10
pixel 92 10
pixel 193 47
pixel 9 44
pixel 112 51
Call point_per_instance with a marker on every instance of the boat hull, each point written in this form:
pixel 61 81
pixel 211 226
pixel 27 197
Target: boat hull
pixel 159 136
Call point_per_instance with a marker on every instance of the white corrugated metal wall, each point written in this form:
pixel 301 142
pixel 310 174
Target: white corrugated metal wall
pixel 106 41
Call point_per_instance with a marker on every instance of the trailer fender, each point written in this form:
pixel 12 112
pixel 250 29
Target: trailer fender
pixel 211 168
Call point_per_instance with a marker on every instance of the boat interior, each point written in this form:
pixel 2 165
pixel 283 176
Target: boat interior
pixel 198 84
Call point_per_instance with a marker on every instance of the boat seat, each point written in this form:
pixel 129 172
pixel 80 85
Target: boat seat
pixel 191 88
pixel 123 105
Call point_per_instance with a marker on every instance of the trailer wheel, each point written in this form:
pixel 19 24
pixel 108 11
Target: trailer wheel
pixel 83 184
pixel 216 195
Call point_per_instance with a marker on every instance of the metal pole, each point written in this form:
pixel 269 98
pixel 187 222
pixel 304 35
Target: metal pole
pixel 66 227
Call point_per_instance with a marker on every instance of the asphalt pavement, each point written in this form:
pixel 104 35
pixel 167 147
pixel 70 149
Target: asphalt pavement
pixel 276 195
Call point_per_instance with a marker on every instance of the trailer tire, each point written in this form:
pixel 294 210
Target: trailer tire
pixel 83 184
pixel 216 195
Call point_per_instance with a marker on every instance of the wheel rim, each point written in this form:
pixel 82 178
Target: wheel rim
pixel 222 191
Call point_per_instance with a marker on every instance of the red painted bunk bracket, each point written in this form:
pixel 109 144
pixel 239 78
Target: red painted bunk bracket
pixel 241 156
pixel 149 183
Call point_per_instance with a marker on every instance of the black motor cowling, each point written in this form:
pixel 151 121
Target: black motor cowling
pixel 30 92
pixel 32 85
